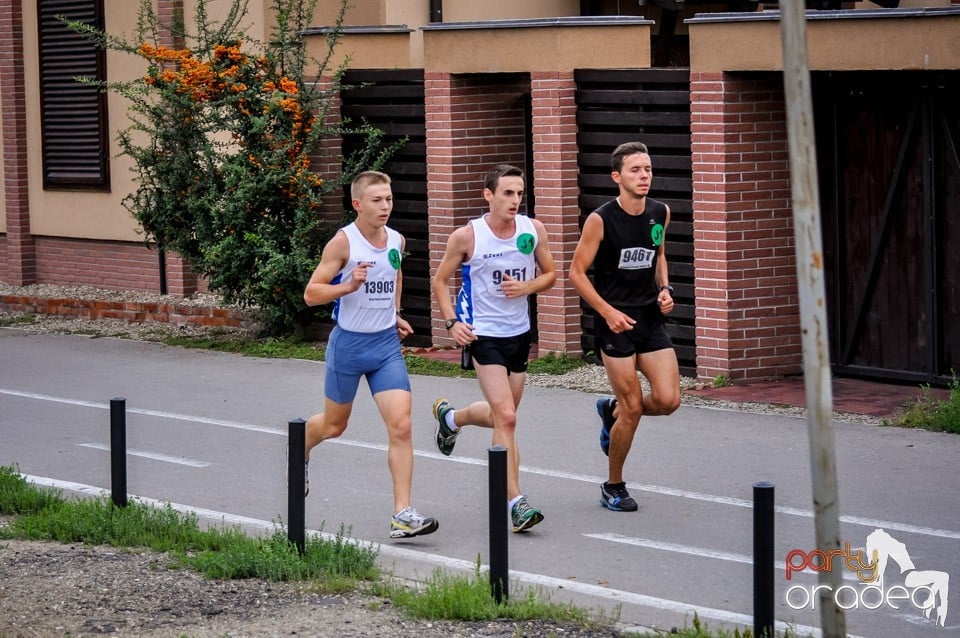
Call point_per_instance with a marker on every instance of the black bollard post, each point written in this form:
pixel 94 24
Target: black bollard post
pixel 763 588
pixel 296 519
pixel 118 451
pixel 499 570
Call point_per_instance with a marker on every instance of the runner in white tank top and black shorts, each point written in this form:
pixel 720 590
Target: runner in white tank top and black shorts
pixel 501 324
pixel 499 256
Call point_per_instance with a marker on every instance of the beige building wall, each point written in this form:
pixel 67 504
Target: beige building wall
pixel 370 51
pixel 258 12
pixel 473 11
pixel 359 12
pixel 848 44
pixel 99 215
pixel 536 48
pixel 81 214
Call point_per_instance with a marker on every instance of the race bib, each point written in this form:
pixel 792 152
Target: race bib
pixel 377 293
pixel 636 258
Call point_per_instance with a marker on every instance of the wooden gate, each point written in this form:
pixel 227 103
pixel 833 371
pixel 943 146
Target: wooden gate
pixel 890 174
pixel 393 101
pixel 651 106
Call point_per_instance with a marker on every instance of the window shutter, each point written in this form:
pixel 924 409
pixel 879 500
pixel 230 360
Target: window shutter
pixel 73 115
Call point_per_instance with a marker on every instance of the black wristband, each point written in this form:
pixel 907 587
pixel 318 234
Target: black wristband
pixel 667 287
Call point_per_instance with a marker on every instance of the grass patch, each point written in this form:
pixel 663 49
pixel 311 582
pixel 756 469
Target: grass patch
pixel 17 320
pixel 721 381
pixel 216 552
pixel 553 363
pixel 291 348
pixel 458 597
pixel 19 497
pixel 930 413
pixel 436 368
pixel 698 629
pixel 274 348
pixel 549 364
pixel 327 565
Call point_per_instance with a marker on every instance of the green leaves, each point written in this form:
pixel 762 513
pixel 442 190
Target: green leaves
pixel 226 134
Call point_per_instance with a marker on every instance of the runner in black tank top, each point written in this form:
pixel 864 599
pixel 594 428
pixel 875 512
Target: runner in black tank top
pixel 624 242
pixel 626 261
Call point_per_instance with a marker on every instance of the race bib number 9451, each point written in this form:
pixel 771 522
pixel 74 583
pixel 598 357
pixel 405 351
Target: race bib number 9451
pixel 636 258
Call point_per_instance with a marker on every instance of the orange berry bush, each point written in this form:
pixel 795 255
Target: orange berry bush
pixel 226 135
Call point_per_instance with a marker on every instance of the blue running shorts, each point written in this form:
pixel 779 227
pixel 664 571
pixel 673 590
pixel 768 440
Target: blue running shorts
pixel 351 355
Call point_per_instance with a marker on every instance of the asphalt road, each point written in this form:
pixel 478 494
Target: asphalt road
pixel 206 432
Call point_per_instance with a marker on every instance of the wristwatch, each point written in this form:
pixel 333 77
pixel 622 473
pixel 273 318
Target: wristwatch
pixel 668 287
pixel 449 323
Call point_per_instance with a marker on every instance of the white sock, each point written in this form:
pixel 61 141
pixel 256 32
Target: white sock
pixel 513 501
pixel 450 422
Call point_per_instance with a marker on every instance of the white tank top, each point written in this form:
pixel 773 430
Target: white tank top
pixel 372 307
pixel 481 301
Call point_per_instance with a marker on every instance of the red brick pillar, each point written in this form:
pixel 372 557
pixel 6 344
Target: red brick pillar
pixel 21 258
pixel 747 321
pixel 327 161
pixel 472 123
pixel 557 192
pixel 444 186
pixel 181 280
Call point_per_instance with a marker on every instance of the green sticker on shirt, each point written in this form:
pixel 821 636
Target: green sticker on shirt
pixel 525 243
pixel 656 234
pixel 394 257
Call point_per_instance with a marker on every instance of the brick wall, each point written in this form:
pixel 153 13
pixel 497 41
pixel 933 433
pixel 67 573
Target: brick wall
pixel 473 122
pixel 178 314
pixel 326 162
pixel 3 258
pixel 747 316
pixel 19 246
pixel 111 265
pixel 557 194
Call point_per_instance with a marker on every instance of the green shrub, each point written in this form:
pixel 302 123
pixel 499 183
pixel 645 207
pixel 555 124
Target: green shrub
pixel 226 132
pixel 930 413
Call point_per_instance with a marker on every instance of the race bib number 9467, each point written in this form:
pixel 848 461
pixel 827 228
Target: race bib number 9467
pixel 636 258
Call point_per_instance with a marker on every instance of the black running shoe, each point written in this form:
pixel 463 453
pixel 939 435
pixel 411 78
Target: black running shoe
pixel 605 407
pixel 616 498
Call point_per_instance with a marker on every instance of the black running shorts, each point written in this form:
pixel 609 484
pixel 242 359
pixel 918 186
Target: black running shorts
pixel 649 334
pixel 510 352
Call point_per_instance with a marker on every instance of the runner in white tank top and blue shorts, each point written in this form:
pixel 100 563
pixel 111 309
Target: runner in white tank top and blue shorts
pixel 365 340
pixel 359 273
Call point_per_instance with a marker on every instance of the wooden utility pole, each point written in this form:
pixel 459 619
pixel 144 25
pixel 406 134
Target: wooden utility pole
pixel 812 292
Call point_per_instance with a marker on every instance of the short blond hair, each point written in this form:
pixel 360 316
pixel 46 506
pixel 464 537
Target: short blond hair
pixel 365 179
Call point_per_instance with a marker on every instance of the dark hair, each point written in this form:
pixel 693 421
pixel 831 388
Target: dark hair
pixel 492 179
pixel 624 150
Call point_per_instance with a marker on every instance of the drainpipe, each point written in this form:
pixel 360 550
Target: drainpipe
pixel 162 255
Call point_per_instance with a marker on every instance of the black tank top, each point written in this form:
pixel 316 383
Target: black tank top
pixel 626 263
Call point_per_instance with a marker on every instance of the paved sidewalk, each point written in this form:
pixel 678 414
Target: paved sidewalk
pixel 851 396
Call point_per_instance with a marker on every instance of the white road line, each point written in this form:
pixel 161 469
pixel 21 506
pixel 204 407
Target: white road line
pixel 615 595
pixel 585 478
pixel 179 460
pixel 699 552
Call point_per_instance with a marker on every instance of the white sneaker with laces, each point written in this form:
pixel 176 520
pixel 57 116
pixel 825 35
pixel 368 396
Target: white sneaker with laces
pixel 409 522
